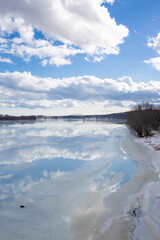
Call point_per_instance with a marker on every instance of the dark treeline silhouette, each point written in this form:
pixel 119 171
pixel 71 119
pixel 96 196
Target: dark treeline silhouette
pixel 143 119
pixel 16 118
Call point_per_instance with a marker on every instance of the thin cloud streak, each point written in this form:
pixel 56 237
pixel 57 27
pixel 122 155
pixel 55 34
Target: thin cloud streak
pixel 5 60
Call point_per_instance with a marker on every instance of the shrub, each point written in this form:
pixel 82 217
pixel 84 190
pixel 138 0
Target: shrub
pixel 143 119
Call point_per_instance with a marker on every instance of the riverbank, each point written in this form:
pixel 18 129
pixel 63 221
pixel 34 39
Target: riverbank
pixel 143 219
pixel 153 143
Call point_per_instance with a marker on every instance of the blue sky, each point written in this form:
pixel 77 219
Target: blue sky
pixel 67 56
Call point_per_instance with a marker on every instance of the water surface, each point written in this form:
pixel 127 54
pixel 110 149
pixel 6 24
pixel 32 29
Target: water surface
pixel 73 179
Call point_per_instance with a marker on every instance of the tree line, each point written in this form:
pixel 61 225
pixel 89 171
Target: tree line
pixel 143 119
pixel 16 118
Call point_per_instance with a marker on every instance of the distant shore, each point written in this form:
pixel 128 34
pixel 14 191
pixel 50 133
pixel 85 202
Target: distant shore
pixel 120 117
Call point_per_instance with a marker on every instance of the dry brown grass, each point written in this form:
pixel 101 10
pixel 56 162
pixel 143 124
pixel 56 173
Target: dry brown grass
pixel 157 148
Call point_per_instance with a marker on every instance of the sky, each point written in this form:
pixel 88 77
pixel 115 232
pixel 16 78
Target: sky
pixel 60 57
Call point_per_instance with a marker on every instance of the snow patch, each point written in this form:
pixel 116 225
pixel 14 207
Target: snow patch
pixel 142 214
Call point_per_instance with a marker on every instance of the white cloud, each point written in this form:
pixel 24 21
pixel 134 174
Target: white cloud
pixel 109 1
pixel 155 62
pixel 6 176
pixel 155 44
pixel 26 46
pixel 9 25
pixel 7 60
pixel 2 41
pixel 83 94
pixel 82 26
pixel 42 49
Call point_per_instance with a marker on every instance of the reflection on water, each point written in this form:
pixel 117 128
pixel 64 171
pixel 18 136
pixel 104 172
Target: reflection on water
pixel 124 165
pixel 44 167
pixel 66 175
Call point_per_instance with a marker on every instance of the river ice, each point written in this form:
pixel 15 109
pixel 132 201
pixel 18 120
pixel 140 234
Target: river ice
pixel 76 181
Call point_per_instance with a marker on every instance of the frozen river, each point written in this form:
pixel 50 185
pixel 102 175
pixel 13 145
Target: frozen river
pixel 69 181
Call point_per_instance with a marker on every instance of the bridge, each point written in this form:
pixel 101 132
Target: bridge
pixel 98 117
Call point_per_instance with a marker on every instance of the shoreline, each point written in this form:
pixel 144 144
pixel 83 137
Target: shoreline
pixel 143 219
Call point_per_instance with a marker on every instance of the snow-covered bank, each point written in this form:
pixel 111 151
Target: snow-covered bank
pixel 142 215
pixel 153 143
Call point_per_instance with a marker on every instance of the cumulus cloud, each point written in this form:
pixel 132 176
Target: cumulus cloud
pixel 155 44
pixel 80 27
pixel 76 93
pixel 26 46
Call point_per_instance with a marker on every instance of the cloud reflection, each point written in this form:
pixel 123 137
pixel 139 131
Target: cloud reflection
pixel 50 169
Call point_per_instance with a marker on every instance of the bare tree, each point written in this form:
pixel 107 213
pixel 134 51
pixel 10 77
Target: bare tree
pixel 143 119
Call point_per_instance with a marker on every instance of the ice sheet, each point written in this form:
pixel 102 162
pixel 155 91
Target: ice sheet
pixel 93 201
